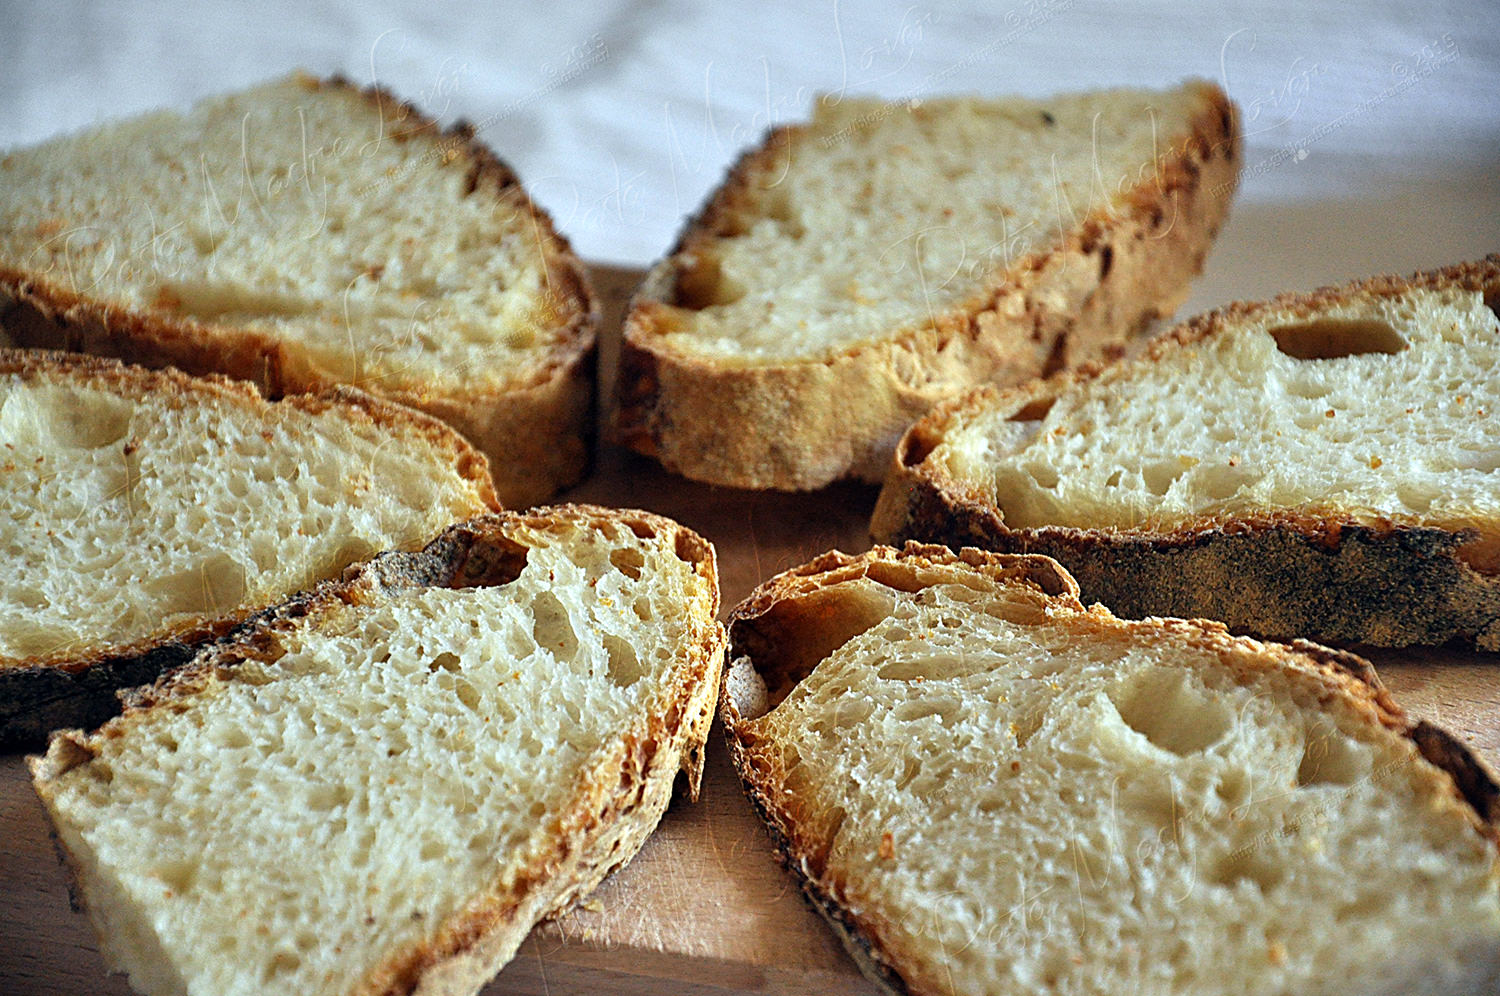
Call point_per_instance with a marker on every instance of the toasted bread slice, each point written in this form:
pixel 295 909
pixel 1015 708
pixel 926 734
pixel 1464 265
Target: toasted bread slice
pixel 380 786
pixel 302 234
pixel 853 271
pixel 147 511
pixel 987 788
pixel 1319 465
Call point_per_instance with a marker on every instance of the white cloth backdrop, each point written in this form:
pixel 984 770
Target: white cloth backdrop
pixel 1373 128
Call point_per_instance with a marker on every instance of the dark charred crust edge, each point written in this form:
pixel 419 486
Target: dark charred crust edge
pixel 34 701
pixel 1473 779
pixel 1329 579
pixel 856 942
pixel 1349 675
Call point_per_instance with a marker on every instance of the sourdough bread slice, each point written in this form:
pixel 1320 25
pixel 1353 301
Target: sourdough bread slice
pixel 147 511
pixel 854 270
pixel 987 788
pixel 1319 465
pixel 305 233
pixel 380 786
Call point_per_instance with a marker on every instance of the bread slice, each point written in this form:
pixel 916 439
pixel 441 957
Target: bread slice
pixel 306 233
pixel 147 511
pixel 852 271
pixel 1319 465
pixel 380 786
pixel 987 788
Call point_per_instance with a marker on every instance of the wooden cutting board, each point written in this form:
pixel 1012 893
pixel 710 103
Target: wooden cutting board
pixel 703 910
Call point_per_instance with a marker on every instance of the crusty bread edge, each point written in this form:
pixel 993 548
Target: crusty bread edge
pixel 800 426
pixel 1461 777
pixel 618 801
pixel 1319 573
pixel 830 569
pixel 538 436
pixel 77 688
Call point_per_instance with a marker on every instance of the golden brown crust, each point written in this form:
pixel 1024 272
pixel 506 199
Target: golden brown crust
pixel 1456 777
pixel 73 687
pixel 1320 572
pixel 617 802
pixel 537 435
pixel 798 426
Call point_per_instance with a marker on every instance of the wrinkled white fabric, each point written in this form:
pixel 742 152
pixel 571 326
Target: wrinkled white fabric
pixel 1373 133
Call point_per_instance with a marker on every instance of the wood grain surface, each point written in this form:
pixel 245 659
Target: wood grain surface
pixel 703 910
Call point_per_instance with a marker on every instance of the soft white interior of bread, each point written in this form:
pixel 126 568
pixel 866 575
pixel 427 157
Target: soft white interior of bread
pixel 1393 414
pixel 1079 808
pixel 881 216
pixel 129 512
pixel 298 213
pixel 312 815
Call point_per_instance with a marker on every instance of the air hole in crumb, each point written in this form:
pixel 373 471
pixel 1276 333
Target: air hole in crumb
pixel 624 664
pixel 68 417
pixel 1160 476
pixel 467 694
pixel 1033 411
pixel 628 561
pixel 776 204
pixel 1309 387
pixel 904 670
pixel 1221 483
pixel 909 770
pixel 1248 864
pixel 284 963
pixel 851 712
pixel 551 627
pixel 177 874
pixel 945 707
pixel 1233 787
pixel 1045 476
pixel 444 662
pixel 230 738
pixel 490 562
pixel 1327 759
pixel 1332 338
pixel 1173 714
pixel 701 283
pixel 836 818
pixel 687 548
